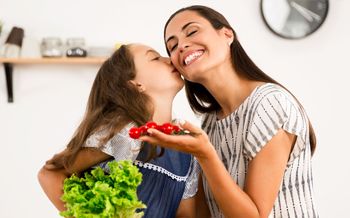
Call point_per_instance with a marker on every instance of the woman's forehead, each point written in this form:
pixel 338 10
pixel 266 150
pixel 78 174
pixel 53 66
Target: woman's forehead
pixel 177 23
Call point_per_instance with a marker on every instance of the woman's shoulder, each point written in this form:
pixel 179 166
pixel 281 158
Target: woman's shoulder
pixel 267 90
pixel 272 107
pixel 272 95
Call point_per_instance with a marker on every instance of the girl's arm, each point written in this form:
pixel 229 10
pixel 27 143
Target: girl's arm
pixel 202 210
pixel 195 206
pixel 264 176
pixel 186 208
pixel 51 181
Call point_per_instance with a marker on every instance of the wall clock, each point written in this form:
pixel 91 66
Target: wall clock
pixel 294 19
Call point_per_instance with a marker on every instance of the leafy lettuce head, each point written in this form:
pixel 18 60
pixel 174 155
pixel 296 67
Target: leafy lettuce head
pixel 100 195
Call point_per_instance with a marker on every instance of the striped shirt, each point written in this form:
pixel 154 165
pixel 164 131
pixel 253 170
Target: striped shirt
pixel 239 137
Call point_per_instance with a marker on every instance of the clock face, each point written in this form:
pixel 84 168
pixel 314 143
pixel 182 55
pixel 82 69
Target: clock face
pixel 294 19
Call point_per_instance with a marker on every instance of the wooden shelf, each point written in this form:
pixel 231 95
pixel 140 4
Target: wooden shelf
pixel 9 62
pixel 63 60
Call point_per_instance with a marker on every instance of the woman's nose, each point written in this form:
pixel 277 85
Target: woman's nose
pixel 183 45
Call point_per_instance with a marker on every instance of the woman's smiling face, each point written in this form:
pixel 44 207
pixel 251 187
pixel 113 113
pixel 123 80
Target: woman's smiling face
pixel 195 47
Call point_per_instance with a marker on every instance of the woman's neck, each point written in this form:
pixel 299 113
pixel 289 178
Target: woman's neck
pixel 229 89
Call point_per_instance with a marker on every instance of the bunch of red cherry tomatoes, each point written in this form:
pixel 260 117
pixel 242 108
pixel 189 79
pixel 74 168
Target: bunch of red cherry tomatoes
pixel 167 128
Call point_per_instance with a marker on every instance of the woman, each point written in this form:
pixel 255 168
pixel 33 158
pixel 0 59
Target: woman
pixel 133 86
pixel 255 150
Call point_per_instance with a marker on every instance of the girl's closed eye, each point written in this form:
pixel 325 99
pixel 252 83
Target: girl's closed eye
pixel 155 58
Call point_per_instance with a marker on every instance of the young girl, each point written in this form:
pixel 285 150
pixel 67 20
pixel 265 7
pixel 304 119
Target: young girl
pixel 255 150
pixel 133 86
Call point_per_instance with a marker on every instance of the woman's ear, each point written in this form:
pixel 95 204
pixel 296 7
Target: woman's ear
pixel 228 33
pixel 138 85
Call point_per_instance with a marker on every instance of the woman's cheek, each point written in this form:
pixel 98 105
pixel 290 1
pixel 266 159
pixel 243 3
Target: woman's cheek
pixel 175 62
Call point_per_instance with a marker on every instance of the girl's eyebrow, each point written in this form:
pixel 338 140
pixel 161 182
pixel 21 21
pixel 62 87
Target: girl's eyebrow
pixel 182 29
pixel 151 51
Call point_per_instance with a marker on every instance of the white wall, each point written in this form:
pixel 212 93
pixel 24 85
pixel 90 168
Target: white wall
pixel 50 100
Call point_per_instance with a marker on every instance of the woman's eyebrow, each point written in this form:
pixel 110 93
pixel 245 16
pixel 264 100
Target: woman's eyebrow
pixel 182 29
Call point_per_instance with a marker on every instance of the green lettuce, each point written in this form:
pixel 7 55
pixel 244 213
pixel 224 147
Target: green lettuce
pixel 101 195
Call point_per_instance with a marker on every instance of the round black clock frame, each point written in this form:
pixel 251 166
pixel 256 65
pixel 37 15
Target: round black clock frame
pixel 304 18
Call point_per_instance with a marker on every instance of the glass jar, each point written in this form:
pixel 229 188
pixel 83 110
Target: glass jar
pixel 51 47
pixel 76 47
pixel 75 42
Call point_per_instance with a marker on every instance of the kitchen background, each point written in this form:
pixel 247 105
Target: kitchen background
pixel 49 100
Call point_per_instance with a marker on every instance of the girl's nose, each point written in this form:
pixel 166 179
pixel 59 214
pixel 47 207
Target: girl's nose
pixel 166 60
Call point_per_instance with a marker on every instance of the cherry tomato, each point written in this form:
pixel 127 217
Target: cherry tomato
pixel 151 125
pixel 160 128
pixel 143 130
pixel 134 133
pixel 176 129
pixel 167 128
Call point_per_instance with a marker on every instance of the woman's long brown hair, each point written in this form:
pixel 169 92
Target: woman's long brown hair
pixel 113 103
pixel 200 99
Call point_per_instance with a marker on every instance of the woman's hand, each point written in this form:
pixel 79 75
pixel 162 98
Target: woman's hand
pixel 196 142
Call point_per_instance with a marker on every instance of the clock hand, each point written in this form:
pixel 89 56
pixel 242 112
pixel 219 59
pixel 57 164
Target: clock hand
pixel 309 15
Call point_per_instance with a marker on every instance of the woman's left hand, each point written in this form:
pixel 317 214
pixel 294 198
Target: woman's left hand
pixel 196 142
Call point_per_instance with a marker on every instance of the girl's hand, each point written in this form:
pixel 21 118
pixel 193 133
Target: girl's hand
pixel 196 142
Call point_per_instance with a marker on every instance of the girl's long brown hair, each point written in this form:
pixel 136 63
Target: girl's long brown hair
pixel 113 103
pixel 200 99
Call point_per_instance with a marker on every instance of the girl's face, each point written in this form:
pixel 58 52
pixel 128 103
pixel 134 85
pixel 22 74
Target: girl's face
pixel 154 74
pixel 195 47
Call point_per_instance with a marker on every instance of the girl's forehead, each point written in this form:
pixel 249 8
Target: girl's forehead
pixel 139 48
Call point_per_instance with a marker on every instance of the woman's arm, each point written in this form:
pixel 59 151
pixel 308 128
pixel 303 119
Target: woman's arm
pixel 51 181
pixel 264 176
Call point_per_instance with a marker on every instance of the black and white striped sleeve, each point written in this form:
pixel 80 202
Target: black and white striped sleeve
pixel 274 111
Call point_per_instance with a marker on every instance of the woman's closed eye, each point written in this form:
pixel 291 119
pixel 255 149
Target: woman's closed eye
pixel 173 47
pixel 191 33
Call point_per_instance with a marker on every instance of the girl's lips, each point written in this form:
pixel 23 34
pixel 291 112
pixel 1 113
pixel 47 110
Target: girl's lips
pixel 175 71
